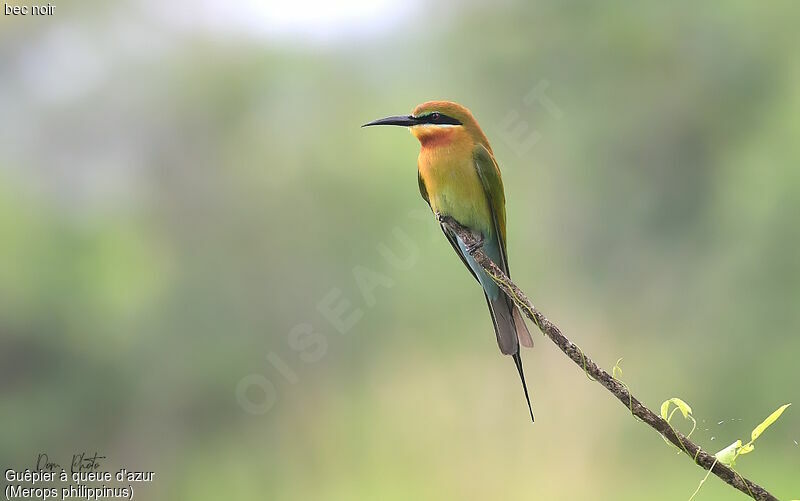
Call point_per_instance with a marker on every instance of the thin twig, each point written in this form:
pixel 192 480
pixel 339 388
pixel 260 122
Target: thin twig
pixel 702 458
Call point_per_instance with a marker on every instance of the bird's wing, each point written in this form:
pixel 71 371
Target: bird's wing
pixel 422 189
pixel 447 233
pixel 451 237
pixel 489 174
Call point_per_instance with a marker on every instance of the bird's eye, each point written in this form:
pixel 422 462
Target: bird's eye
pixel 435 116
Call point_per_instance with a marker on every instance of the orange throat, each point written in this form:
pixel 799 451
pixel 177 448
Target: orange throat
pixel 434 137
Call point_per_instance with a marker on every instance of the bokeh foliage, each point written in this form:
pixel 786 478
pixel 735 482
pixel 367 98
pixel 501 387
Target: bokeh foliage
pixel 174 200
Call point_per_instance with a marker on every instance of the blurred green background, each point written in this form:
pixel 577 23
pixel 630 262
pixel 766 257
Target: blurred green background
pixel 182 186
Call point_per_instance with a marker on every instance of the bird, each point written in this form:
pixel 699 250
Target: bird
pixel 459 178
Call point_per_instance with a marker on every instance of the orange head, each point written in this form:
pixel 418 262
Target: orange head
pixel 438 122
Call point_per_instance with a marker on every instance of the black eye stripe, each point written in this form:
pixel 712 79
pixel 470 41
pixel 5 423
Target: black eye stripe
pixel 438 119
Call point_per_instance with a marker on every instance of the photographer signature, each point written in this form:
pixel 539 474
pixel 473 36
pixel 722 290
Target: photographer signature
pixel 80 462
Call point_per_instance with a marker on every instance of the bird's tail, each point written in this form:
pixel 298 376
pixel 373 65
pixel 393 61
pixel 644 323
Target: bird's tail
pixel 511 331
pixel 523 334
pixel 518 363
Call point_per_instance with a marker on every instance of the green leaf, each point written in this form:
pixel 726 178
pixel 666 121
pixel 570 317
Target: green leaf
pixel 758 430
pixel 728 454
pixel 616 371
pixel 683 406
pixel 680 404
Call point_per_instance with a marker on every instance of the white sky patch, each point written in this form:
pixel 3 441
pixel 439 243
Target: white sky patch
pixel 60 65
pixel 293 20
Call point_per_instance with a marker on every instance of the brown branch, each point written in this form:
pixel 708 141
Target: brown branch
pixel 702 458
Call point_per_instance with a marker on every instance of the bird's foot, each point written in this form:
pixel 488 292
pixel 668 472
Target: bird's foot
pixel 454 226
pixel 449 222
pixel 476 244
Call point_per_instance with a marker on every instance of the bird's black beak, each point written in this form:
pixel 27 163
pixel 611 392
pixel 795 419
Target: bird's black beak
pixel 403 121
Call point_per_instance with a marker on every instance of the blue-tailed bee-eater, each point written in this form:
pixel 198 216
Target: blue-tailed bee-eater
pixel 459 177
